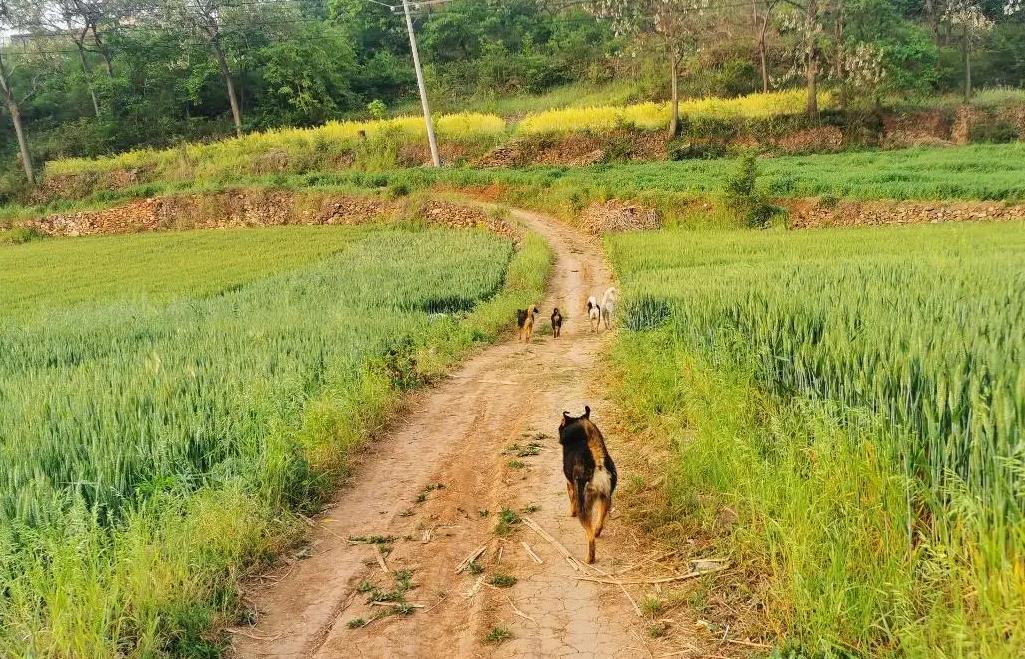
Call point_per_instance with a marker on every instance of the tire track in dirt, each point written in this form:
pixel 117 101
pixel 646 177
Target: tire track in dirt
pixel 457 434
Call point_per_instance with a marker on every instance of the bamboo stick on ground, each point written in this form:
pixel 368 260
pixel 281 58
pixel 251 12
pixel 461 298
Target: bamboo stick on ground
pixel 530 552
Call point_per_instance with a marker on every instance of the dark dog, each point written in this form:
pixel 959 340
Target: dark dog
pixel 556 322
pixel 590 474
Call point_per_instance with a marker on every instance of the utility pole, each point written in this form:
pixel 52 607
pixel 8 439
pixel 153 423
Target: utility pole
pixel 435 158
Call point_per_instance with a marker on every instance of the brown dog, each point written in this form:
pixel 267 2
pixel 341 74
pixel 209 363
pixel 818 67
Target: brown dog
pixel 525 319
pixel 590 474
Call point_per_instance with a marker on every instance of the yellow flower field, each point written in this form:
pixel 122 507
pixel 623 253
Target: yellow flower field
pixel 334 136
pixel 654 116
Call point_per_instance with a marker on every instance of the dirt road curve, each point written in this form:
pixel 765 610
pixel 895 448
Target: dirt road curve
pixel 457 434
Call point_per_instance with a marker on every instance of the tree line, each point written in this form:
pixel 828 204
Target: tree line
pixel 87 77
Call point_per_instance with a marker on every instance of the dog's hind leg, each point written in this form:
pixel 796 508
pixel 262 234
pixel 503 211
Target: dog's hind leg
pixel 589 531
pixel 572 499
pixel 599 512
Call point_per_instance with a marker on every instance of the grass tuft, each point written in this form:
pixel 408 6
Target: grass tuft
pixel 497 635
pixel 502 580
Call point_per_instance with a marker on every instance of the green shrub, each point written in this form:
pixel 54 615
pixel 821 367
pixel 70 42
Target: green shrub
pixel 19 235
pixel 742 195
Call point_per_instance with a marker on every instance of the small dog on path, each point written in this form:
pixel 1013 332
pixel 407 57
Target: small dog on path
pixel 608 306
pixel 590 474
pixel 594 313
pixel 556 322
pixel 525 319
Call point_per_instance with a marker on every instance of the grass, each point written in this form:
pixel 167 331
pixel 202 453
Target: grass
pixel 988 99
pixel 652 605
pixel 580 94
pixel 164 267
pixel 856 398
pixel 686 191
pixel 18 236
pixel 657 629
pixel 688 194
pixel 497 635
pixel 978 172
pixel 508 519
pixel 155 440
pixel 502 580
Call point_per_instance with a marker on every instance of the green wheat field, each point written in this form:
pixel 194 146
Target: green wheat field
pixel 858 396
pixel 167 399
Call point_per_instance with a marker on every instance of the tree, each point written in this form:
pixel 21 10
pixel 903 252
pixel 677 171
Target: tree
pixel 307 75
pixel 967 18
pixel 818 26
pixel 811 35
pixel 372 28
pixel 762 11
pixel 671 28
pixel 204 17
pixel 884 52
pixel 863 70
pixel 13 100
pixel 78 19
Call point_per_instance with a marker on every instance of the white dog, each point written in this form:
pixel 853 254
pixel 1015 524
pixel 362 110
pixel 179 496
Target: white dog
pixel 594 313
pixel 608 306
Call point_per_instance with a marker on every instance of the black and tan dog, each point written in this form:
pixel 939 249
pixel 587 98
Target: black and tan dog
pixel 525 320
pixel 556 323
pixel 590 474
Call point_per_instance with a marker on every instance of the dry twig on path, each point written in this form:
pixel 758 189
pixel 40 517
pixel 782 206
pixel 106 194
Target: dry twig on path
pixel 513 606
pixel 749 644
pixel 255 637
pixel 678 577
pixel 536 528
pixel 637 609
pixel 530 552
pixel 380 558
pixel 650 559
pixel 471 558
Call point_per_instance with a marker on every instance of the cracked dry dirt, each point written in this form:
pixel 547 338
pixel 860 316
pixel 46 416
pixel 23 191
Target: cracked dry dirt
pixel 457 434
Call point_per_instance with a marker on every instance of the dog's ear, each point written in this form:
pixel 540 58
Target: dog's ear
pixel 587 412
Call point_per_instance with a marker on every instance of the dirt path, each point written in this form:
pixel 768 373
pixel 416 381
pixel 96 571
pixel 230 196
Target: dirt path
pixel 457 434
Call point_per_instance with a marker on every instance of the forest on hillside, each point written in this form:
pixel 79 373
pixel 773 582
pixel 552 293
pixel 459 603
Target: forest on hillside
pixel 91 77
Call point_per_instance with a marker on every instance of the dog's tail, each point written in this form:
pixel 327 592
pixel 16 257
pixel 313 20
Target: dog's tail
pixel 601 482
